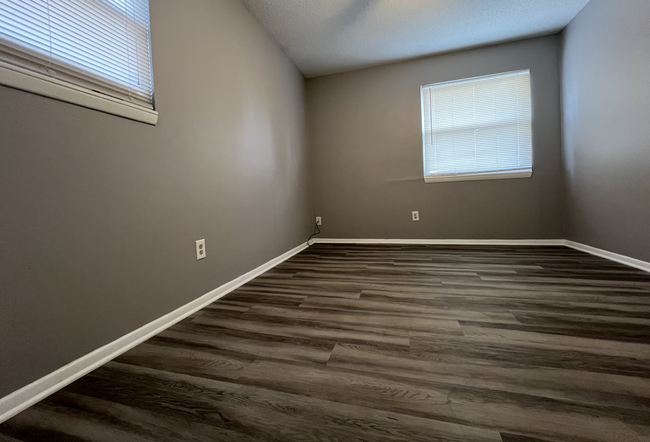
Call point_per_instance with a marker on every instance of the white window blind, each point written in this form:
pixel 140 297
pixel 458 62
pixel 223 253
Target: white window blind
pixel 99 45
pixel 478 128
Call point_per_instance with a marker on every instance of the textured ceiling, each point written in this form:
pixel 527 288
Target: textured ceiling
pixel 329 36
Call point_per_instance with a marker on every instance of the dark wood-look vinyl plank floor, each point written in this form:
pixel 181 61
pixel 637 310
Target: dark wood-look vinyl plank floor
pixel 383 344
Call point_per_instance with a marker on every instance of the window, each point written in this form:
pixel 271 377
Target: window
pixel 95 53
pixel 478 128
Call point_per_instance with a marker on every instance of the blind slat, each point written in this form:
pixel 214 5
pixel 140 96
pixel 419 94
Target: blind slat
pixel 82 40
pixel 478 125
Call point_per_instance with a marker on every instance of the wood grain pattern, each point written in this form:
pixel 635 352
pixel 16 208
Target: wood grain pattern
pixel 384 343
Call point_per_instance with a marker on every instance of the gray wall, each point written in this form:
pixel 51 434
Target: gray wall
pixel 100 214
pixel 606 120
pixel 366 152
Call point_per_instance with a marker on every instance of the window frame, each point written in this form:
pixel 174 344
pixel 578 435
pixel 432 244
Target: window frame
pixel 476 176
pixel 78 92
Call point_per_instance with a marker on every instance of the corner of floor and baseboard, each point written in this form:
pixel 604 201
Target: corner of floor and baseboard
pixel 622 259
pixel 38 390
pixel 447 242
pixel 23 398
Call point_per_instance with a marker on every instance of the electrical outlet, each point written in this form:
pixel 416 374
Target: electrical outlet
pixel 200 249
pixel 415 215
pixel 319 222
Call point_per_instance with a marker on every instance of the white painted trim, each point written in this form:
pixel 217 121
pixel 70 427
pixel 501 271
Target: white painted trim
pixel 477 176
pixel 45 386
pixel 622 259
pixel 450 242
pixel 26 80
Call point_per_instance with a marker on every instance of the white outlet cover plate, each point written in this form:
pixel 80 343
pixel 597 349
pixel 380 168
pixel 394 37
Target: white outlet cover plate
pixel 200 249
pixel 319 221
pixel 415 215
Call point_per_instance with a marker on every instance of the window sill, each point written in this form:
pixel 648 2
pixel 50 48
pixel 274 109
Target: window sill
pixel 478 177
pixel 36 83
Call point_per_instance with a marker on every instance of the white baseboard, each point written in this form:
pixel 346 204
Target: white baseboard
pixel 447 242
pixel 45 386
pixel 622 259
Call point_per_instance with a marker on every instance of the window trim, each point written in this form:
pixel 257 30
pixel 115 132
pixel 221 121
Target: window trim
pixel 479 176
pixel 26 80
pixel 475 176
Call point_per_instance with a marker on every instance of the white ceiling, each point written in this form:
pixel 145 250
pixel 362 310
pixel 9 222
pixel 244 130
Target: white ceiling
pixel 328 36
